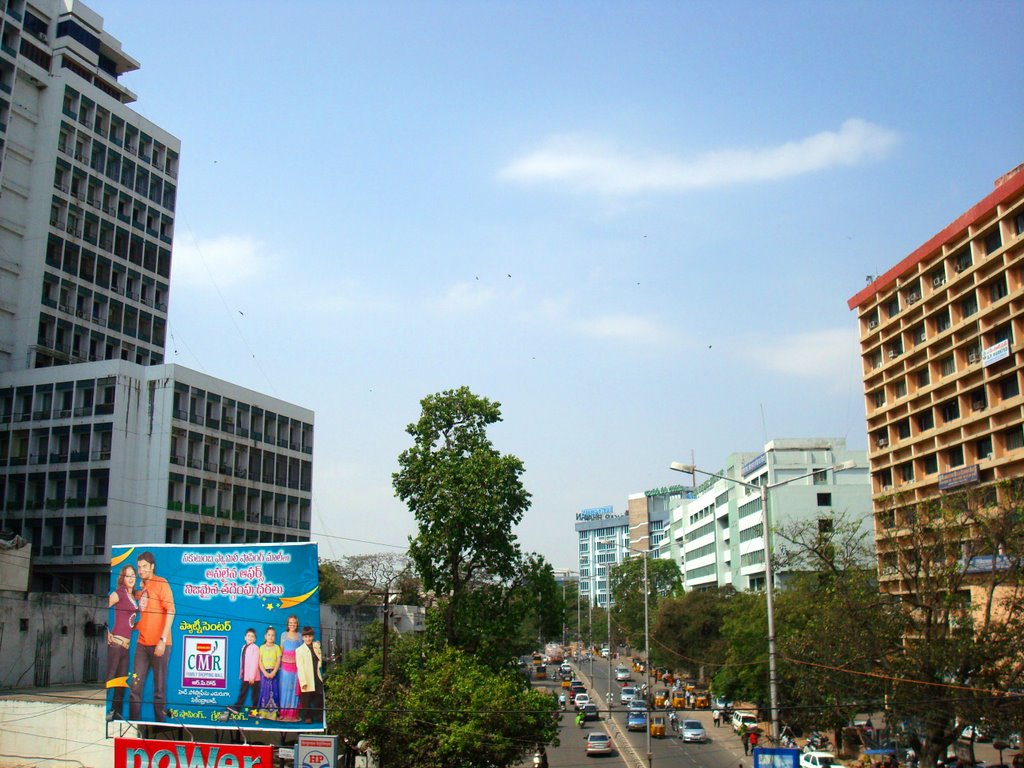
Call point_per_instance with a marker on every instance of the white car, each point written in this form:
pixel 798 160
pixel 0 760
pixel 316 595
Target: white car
pixel 581 700
pixel 626 694
pixel 622 674
pixel 743 719
pixel 819 760
pixel 693 731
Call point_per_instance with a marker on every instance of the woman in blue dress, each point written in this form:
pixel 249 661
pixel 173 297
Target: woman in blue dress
pixel 288 706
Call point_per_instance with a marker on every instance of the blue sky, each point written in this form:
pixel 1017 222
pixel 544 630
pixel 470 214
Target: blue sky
pixel 636 225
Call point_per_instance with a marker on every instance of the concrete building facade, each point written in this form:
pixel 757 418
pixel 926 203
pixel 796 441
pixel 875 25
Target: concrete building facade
pixel 720 535
pixel 101 443
pixel 940 340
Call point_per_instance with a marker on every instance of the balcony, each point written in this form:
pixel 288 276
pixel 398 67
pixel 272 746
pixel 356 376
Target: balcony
pixel 175 506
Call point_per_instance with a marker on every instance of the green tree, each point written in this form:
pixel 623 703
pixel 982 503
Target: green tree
pixel 627 587
pixel 466 498
pixel 687 631
pixel 437 707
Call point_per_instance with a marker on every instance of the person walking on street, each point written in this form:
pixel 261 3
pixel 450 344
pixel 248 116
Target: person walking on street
pixel 746 742
pixel 753 739
pixel 716 717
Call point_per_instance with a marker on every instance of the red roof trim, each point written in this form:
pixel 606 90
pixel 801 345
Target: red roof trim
pixel 1009 188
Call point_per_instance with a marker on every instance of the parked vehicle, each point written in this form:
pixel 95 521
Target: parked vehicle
pixel 742 719
pixel 819 760
pixel 598 744
pixel 693 732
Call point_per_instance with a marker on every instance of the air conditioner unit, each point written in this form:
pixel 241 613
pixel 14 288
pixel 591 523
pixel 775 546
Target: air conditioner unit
pixel 882 442
pixel 973 357
pixel 893 354
pixel 873 323
pixel 912 297
pixel 958 268
pixel 937 281
pixel 42 36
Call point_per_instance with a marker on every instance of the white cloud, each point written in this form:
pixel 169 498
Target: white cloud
pixel 219 262
pixel 622 327
pixel 829 354
pixel 593 166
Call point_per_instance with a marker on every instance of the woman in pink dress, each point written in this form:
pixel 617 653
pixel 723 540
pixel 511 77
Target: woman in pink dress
pixel 289 674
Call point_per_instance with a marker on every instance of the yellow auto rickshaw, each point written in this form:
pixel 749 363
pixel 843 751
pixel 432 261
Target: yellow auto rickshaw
pixel 700 700
pixel 566 683
pixel 542 672
pixel 659 699
pixel 678 700
pixel 658 726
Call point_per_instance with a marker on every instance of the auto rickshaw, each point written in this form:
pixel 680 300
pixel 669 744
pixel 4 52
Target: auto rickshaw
pixel 542 672
pixel 700 700
pixel 657 726
pixel 678 699
pixel 566 682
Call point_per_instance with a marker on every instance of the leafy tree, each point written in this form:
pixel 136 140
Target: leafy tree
pixel 744 632
pixel 955 563
pixel 687 631
pixel 627 586
pixel 467 498
pixel 362 579
pixel 437 707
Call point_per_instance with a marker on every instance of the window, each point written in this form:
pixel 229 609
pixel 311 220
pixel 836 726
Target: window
pixel 983 448
pixel 997 288
pixel 879 398
pixel 907 472
pixel 955 456
pixel 948 365
pixel 942 321
pixel 1018 224
pixel 901 388
pixel 950 410
pixel 1003 333
pixel 924 378
pixel 962 259
pixel 938 277
pixel 825 524
pixel 969 305
pixel 1009 387
pixel 978 400
pixel 918 334
pixel 893 307
pixel 824 499
pixel 903 429
pixel 1014 438
pixel 931 464
pixel 993 241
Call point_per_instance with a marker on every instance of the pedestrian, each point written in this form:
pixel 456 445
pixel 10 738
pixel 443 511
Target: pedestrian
pixel 673 720
pixel 716 717
pixel 746 742
pixel 753 738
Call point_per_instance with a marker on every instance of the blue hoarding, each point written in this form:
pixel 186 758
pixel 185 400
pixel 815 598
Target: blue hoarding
pixel 215 636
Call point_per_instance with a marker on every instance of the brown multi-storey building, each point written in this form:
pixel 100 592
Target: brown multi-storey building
pixel 941 345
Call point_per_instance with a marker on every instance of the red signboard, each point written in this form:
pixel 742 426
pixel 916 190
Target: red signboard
pixel 153 753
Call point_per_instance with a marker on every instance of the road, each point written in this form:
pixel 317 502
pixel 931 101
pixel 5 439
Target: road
pixel 723 749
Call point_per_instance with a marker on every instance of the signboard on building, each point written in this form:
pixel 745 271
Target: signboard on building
pixel 595 513
pixel 211 635
pixel 995 353
pixel 157 753
pixel 754 464
pixel 316 752
pixel 988 564
pixel 958 477
pixel 671 490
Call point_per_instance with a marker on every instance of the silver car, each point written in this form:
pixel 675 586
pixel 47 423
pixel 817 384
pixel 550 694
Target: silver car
pixel 693 731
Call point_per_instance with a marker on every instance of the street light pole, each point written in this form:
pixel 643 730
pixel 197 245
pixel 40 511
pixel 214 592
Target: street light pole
pixel 769 576
pixel 647 653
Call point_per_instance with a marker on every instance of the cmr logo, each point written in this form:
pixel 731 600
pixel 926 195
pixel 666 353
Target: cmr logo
pixel 204 662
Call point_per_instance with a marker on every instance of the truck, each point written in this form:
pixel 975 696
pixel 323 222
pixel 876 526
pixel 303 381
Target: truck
pixel 554 653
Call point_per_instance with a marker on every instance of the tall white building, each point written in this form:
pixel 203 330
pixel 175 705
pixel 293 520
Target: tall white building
pixel 100 443
pixel 720 531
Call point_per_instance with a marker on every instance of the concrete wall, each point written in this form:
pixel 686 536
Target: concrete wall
pixel 56 734
pixel 15 565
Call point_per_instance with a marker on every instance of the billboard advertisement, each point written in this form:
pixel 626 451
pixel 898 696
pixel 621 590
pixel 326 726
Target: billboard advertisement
pixel 215 636
pixel 156 753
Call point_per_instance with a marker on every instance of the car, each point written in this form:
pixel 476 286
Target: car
pixel 637 704
pixel 627 694
pixel 636 720
pixel 580 700
pixel 599 744
pixel 577 687
pixel 622 674
pixel 743 720
pixel 565 669
pixel 590 712
pixel 692 731
pixel 819 760
pixel 606 652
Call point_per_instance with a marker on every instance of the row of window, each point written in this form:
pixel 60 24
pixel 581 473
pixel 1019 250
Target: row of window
pixel 969 453
pixel 55 489
pixel 1007 386
pixel 209 409
pixel 117 131
pixel 940 322
pixel 61 341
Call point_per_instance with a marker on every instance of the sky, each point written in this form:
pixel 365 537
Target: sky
pixel 634 224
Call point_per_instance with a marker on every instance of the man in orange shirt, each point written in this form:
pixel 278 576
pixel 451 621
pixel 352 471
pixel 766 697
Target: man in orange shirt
pixel 156 617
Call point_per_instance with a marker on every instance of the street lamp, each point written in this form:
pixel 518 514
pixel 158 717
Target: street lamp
pixel 773 682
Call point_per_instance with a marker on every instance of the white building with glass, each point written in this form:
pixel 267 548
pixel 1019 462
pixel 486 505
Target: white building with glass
pixel 719 533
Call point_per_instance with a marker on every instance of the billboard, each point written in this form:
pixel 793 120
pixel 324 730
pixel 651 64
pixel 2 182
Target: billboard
pixel 214 636
pixel 156 753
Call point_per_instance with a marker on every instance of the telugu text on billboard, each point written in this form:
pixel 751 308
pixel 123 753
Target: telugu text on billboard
pixel 219 636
